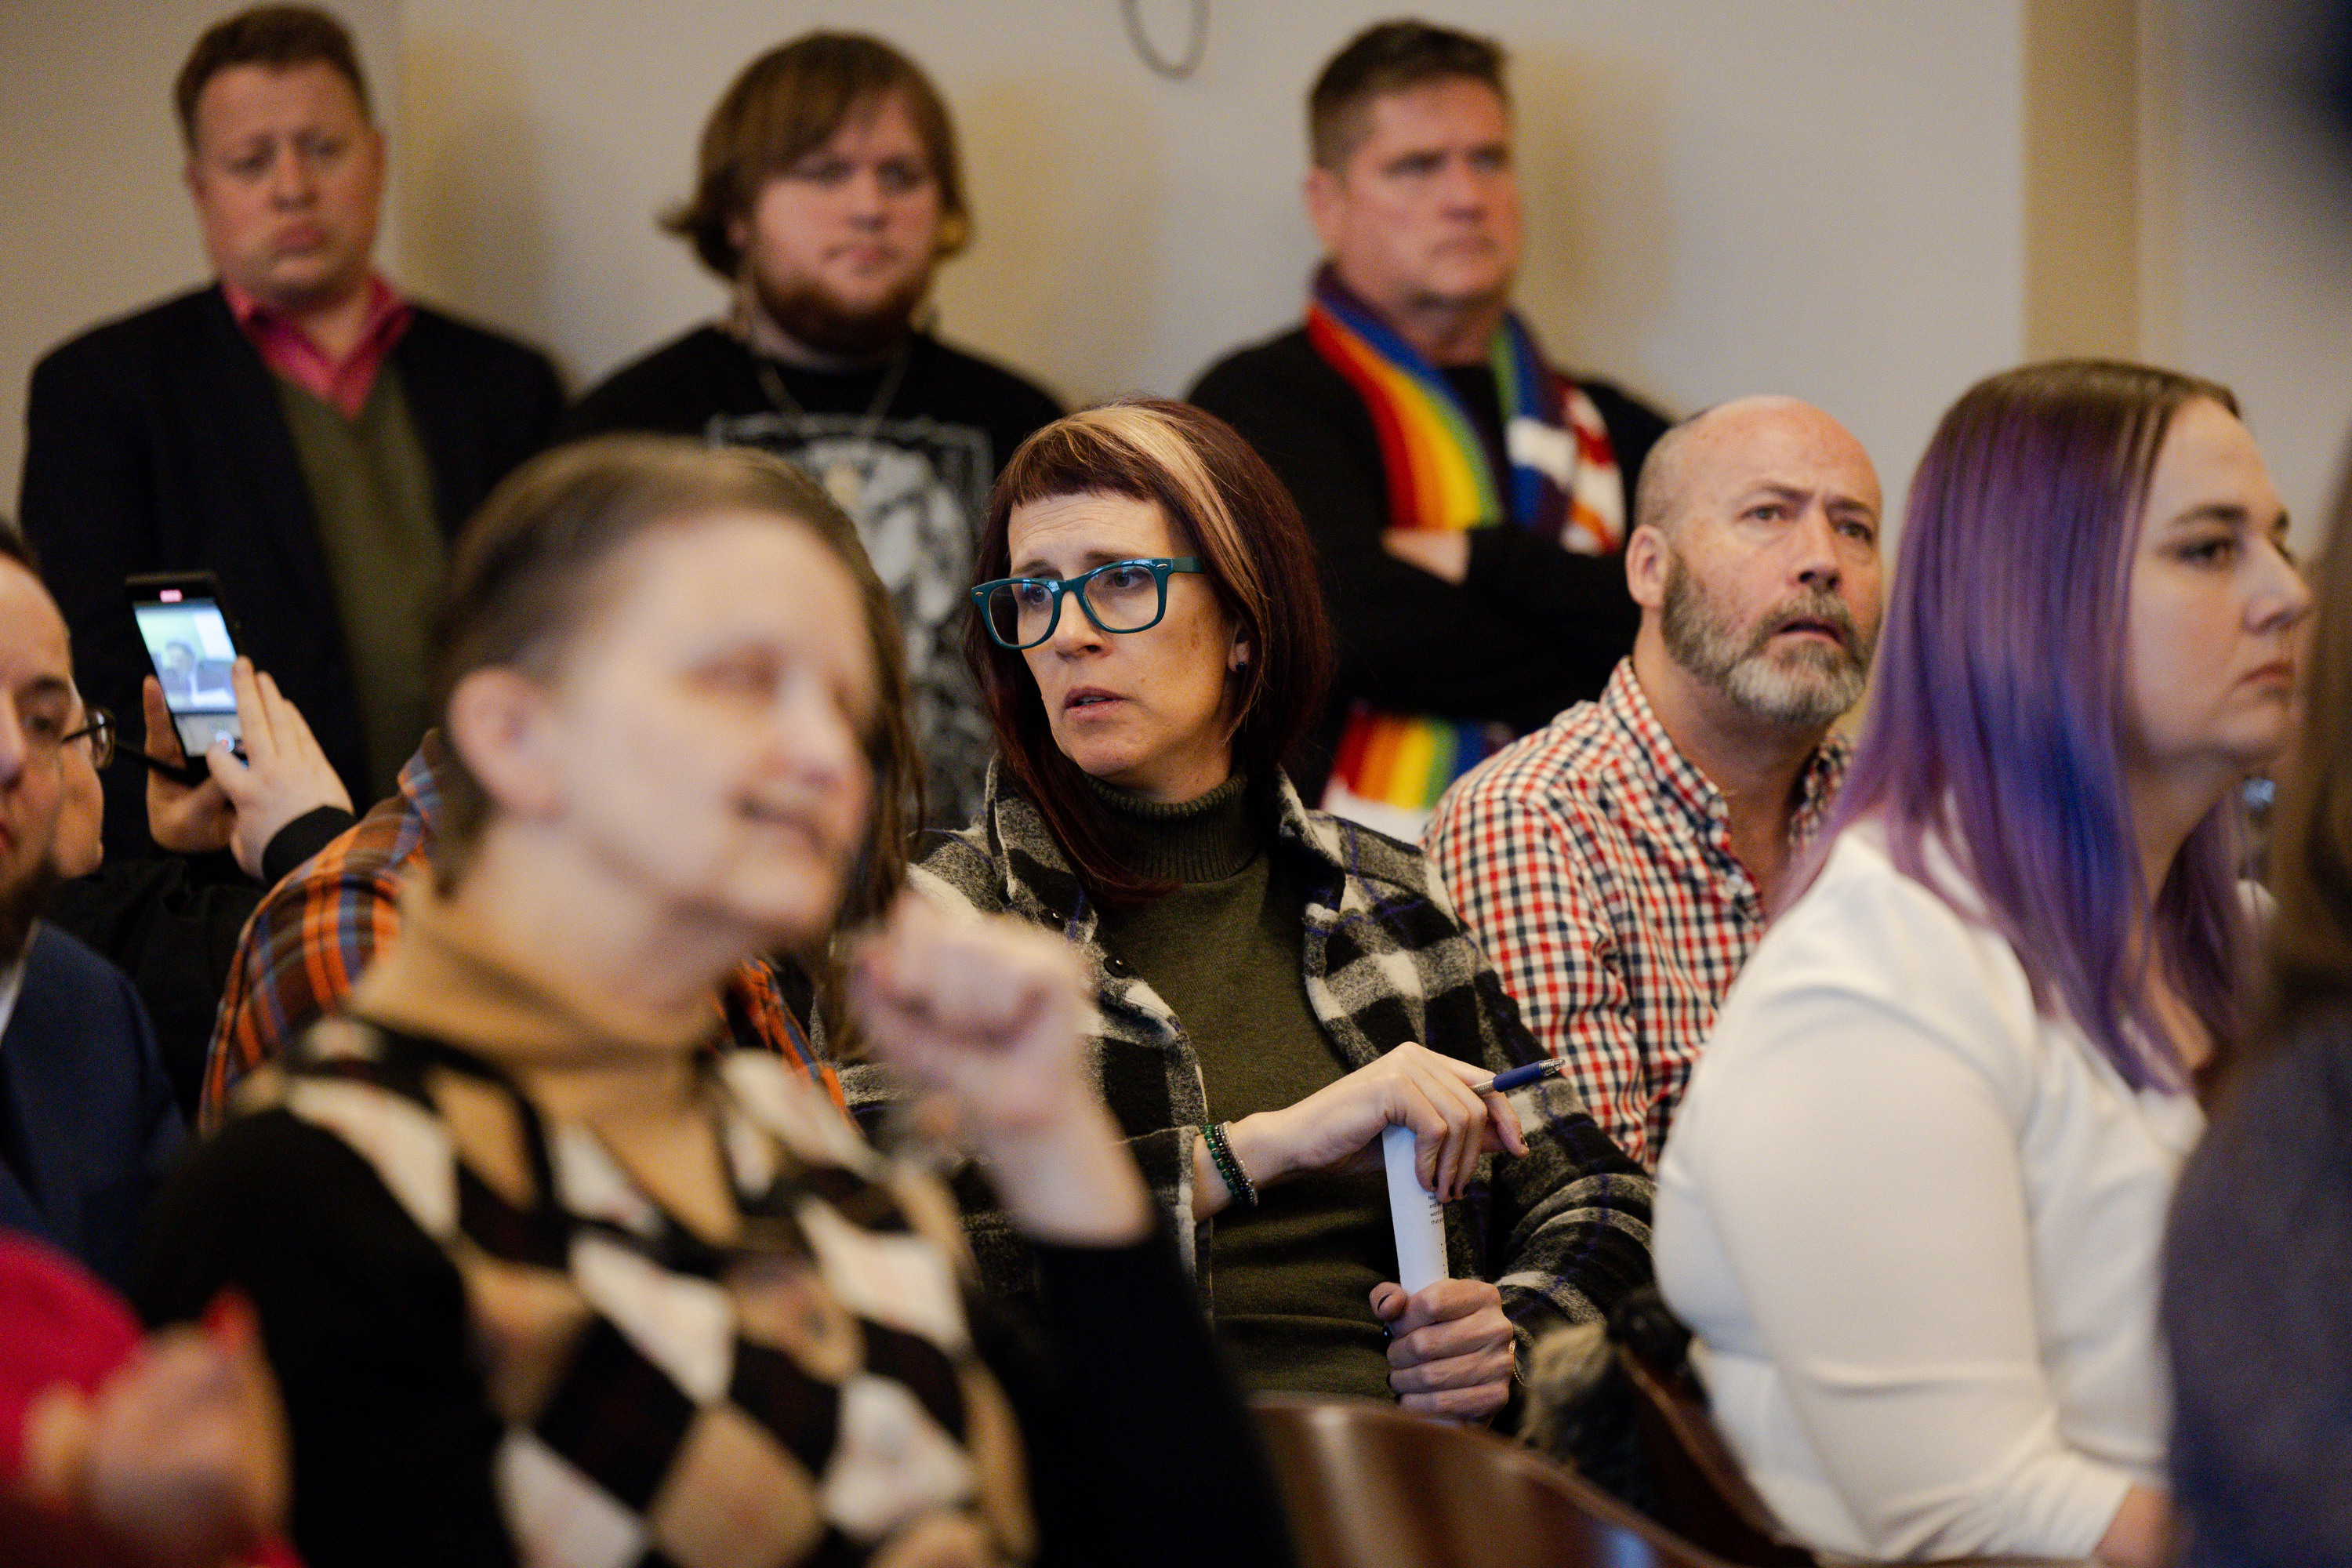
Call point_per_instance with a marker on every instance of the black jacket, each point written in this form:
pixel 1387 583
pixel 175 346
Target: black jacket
pixel 156 443
pixel 172 923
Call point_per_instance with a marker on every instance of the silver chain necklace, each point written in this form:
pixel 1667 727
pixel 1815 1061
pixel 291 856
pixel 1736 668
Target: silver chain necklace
pixel 844 477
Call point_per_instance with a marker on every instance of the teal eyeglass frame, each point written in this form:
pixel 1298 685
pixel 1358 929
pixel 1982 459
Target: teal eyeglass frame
pixel 1161 568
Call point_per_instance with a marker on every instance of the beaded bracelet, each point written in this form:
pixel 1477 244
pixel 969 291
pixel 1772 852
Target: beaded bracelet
pixel 1229 1165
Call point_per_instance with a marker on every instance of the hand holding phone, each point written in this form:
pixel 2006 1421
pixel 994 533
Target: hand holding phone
pixel 163 756
pixel 243 799
pixel 188 813
pixel 192 642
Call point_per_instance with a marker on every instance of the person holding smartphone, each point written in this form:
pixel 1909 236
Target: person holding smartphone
pixel 275 779
pixel 235 824
pixel 87 1124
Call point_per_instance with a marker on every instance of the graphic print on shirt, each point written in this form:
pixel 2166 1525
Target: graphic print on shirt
pixel 916 490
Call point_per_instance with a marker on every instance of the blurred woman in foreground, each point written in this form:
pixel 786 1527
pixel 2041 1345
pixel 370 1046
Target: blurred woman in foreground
pixel 543 1277
pixel 2258 1272
pixel 1913 1204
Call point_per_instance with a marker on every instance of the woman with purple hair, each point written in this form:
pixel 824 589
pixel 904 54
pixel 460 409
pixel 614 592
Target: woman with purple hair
pixel 1913 1204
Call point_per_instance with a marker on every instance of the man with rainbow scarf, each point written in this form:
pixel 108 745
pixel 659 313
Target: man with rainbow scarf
pixel 1469 500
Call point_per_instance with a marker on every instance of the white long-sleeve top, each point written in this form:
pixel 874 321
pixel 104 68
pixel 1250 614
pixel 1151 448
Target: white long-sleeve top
pixel 1914 1225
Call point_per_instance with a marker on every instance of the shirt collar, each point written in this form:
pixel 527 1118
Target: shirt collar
pixel 452 977
pixel 1035 872
pixel 387 310
pixel 1817 791
pixel 424 776
pixel 1680 781
pixel 12 983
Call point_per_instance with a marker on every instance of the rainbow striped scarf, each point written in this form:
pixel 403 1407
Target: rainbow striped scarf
pixel 1563 484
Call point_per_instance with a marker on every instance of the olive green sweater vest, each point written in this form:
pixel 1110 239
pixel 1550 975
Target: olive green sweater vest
pixel 371 489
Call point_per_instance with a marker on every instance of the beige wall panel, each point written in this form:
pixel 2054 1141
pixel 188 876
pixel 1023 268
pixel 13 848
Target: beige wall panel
pixel 1819 196
pixel 2081 179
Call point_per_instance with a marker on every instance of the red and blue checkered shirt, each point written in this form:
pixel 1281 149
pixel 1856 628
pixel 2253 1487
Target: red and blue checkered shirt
pixel 1593 862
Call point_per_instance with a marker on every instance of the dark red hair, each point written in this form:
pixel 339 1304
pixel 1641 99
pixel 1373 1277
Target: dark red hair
pixel 1228 508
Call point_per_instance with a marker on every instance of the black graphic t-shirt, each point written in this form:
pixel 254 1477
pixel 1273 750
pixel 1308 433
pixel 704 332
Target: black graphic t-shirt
pixel 913 474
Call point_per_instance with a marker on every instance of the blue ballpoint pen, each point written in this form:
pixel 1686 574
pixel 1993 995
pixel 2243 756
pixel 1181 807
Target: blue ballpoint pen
pixel 1519 1078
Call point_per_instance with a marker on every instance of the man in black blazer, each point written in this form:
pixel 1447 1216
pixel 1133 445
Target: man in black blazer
pixel 297 427
pixel 87 1121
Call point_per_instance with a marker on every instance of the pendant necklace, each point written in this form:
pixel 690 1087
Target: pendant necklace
pixel 844 477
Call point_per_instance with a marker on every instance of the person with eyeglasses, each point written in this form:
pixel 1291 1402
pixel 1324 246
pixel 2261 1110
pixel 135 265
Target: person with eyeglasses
pixel 81 819
pixel 172 922
pixel 1273 987
pixel 116 1448
pixel 87 1119
pixel 553 1273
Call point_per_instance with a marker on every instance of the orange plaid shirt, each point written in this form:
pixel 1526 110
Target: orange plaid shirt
pixel 317 930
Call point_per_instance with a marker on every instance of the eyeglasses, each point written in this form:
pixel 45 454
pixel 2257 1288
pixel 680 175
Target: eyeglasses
pixel 1120 597
pixel 98 731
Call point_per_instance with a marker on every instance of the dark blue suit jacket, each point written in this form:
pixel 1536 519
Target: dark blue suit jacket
pixel 87 1121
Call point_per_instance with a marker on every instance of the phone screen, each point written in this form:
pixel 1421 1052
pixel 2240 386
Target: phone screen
pixel 187 640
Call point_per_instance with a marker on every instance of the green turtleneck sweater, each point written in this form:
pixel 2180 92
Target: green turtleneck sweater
pixel 1293 1277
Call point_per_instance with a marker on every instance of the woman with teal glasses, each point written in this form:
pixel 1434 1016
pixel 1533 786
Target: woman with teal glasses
pixel 1276 987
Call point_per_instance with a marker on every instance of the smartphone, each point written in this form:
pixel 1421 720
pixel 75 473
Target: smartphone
pixel 192 642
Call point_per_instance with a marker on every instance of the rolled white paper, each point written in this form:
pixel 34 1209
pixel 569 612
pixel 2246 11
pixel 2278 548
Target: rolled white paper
pixel 1419 1217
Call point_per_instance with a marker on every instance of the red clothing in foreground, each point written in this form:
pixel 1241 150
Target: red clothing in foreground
pixel 58 1323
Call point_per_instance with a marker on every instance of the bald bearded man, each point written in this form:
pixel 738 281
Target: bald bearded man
pixel 1617 865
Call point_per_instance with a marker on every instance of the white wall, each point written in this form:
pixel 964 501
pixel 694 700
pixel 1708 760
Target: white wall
pixel 1818 196
pixel 1824 196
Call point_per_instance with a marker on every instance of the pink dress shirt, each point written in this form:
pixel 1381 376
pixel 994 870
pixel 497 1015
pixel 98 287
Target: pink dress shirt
pixel 341 382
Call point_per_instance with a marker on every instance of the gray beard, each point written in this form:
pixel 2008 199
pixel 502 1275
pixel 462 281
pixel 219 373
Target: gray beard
pixel 1803 686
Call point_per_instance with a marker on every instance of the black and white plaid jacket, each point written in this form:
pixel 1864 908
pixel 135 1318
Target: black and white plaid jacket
pixel 1564 1231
